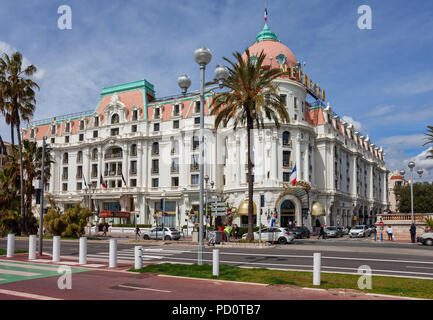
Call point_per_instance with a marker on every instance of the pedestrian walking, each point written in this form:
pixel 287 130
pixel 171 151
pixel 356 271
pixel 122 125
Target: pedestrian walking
pixel 322 233
pixel 137 231
pixel 227 231
pixel 389 232
pixel 104 230
pixel 412 232
pixel 237 232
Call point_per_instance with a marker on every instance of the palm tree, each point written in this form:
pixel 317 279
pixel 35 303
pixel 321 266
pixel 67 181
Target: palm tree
pixel 252 95
pixel 19 101
pixel 429 140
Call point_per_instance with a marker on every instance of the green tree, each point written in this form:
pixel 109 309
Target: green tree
pixel 17 103
pixel 252 95
pixel 422 198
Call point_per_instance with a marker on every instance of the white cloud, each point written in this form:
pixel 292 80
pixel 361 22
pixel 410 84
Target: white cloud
pixel 381 110
pixel 404 141
pixel 8 49
pixel 356 124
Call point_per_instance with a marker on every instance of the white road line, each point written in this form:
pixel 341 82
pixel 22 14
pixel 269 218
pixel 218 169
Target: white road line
pixel 138 288
pixel 27 295
pixel 413 267
pixel 20 265
pixel 19 273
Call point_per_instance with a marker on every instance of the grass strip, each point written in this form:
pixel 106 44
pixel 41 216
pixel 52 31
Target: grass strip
pixel 404 287
pixel 4 252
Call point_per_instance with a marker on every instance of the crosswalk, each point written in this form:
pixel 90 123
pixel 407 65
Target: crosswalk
pixel 149 254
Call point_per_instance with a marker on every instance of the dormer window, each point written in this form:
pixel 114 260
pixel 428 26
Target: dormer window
pixel 176 110
pixel 53 129
pixel 81 124
pixel 32 133
pixel 157 113
pixel 135 115
pixel 115 118
pixel 96 122
pixel 67 127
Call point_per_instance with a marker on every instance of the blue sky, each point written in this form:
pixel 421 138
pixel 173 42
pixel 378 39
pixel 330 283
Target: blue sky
pixel 380 78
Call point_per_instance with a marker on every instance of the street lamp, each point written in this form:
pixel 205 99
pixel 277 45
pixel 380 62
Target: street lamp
pixel 411 165
pixel 202 57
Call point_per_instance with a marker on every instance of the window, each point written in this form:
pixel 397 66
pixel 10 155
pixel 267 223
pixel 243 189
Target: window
pixel 81 137
pixel 53 129
pixel 65 187
pixel 53 140
pixel 195 143
pixel 79 186
pixel 155 166
pixel 156 127
pixel 94 170
pixel 96 122
pixel 296 117
pixel 134 150
pixel 82 125
pixel 295 102
pixel 115 118
pixel 175 166
pixel 133 167
pixel 95 154
pixel 286 176
pixel 79 172
pixel 115 132
pixel 155 182
pixel 197 120
pixel 175 147
pixel 176 124
pixel 32 133
pixel 194 162
pixel 65 173
pixel 155 148
pixel 194 179
pixel 134 128
pixel 197 107
pixel 286 158
pixel 95 134
pixel 67 127
pixel 286 138
pixel 175 181
pixel 135 115
pixel 133 182
pixel 176 110
pixel 65 158
pixel 157 113
pixel 283 98
pixel 67 139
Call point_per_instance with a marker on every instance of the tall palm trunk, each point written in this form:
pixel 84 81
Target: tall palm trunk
pixel 12 134
pixel 250 235
pixel 20 147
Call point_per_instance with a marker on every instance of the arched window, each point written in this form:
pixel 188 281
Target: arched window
pixel 115 118
pixel 65 158
pixel 286 138
pixel 155 148
pixel 114 152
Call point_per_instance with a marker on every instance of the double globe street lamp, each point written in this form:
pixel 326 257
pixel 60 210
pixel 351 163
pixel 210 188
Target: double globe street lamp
pixel 202 57
pixel 411 165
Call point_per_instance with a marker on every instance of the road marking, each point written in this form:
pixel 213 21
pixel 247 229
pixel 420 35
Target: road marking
pixel 27 295
pixel 413 267
pixel 19 273
pixel 69 263
pixel 93 265
pixel 138 288
pixel 26 266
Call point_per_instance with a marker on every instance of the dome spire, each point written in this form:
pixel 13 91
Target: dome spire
pixel 266 34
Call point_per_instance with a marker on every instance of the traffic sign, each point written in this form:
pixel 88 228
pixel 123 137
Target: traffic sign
pixel 381 223
pixel 216 214
pixel 214 199
pixel 219 204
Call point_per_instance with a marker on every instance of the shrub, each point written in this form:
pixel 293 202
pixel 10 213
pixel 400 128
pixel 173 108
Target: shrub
pixel 10 222
pixel 69 224
pixel 243 230
pixel 130 225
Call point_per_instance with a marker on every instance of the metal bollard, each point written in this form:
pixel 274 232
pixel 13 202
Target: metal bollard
pixel 56 248
pixel 316 269
pixel 11 245
pixel 113 253
pixel 138 257
pixel 83 250
pixel 32 247
pixel 216 262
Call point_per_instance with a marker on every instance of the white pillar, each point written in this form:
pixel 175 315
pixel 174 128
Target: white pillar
pixel 83 250
pixel 216 262
pixel 138 257
pixel 32 247
pixel 56 248
pixel 316 269
pixel 113 253
pixel 11 245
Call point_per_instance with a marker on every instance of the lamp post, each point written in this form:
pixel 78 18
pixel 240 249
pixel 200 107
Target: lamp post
pixel 41 219
pixel 202 57
pixel 411 165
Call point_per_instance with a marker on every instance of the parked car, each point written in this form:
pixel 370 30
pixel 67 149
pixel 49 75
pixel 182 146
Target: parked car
pixel 371 229
pixel 340 230
pixel 359 231
pixel 426 238
pixel 332 232
pixel 301 232
pixel 158 234
pixel 280 235
pixel 345 230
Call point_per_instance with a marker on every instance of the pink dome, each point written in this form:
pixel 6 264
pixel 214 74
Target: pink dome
pixel 275 52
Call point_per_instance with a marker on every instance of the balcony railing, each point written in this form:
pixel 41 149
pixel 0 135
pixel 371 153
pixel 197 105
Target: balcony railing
pixel 287 143
pixel 133 172
pixel 155 152
pixel 287 164
pixel 64 177
pixel 155 170
pixel 113 155
pixel 195 167
pixel 79 175
pixel 174 169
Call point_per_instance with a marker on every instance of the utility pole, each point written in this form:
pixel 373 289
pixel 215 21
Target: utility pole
pixel 41 219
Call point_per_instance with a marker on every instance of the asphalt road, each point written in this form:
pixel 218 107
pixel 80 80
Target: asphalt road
pixel 341 256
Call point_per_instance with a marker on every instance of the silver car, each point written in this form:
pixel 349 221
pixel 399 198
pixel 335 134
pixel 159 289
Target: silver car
pixel 158 234
pixel 359 231
pixel 280 235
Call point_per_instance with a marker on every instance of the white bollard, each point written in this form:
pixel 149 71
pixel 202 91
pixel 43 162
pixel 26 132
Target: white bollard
pixel 138 257
pixel 216 262
pixel 113 253
pixel 83 250
pixel 316 269
pixel 56 248
pixel 11 245
pixel 32 247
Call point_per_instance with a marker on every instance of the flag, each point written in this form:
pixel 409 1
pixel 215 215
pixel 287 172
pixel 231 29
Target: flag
pixel 85 183
pixel 123 178
pixel 101 181
pixel 266 12
pixel 293 176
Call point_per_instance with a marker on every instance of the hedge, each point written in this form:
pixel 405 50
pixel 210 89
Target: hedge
pixel 132 225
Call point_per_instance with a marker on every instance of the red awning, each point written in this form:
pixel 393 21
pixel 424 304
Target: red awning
pixel 114 214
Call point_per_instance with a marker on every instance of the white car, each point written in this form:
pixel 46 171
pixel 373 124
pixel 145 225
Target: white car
pixel 426 238
pixel 280 235
pixel 359 231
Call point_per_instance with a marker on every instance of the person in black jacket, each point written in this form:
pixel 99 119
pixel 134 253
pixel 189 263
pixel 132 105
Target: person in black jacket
pixel 412 232
pixel 322 233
